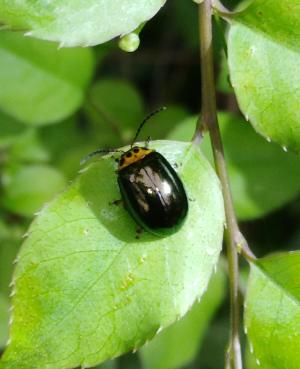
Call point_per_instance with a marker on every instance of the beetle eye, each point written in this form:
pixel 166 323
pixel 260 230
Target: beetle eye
pixel 136 150
pixel 128 155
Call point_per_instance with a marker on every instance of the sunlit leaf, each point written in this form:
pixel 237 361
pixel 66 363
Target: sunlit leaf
pixel 262 176
pixel 276 19
pixel 265 75
pixel 77 23
pixel 272 313
pixel 42 84
pixel 88 290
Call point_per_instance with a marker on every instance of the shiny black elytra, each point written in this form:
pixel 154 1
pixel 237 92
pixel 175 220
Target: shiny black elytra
pixel 152 191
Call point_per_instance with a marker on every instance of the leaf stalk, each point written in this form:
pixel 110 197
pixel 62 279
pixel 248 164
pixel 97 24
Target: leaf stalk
pixel 208 120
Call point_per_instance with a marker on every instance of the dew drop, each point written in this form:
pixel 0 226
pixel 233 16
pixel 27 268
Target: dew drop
pixel 129 42
pixel 268 139
pixel 257 362
pixel 284 148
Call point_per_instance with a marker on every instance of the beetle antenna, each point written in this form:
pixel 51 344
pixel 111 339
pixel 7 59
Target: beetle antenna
pixel 143 123
pixel 97 152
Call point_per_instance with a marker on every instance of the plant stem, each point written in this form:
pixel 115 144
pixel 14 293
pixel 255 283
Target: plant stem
pixel 233 237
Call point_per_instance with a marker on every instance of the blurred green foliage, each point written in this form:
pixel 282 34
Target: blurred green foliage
pixel 59 105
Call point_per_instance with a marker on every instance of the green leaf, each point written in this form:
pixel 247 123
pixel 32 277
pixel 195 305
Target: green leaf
pixel 27 188
pixel 10 129
pixel 276 19
pixel 178 345
pixel 42 84
pixel 265 75
pixel 272 311
pixel 116 109
pixel 77 23
pixel 262 176
pixel 89 290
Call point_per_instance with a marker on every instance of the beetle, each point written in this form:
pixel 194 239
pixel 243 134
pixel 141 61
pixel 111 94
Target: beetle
pixel 151 190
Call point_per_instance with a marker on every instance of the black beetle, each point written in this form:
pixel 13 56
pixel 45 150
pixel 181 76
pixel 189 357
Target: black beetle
pixel 151 189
